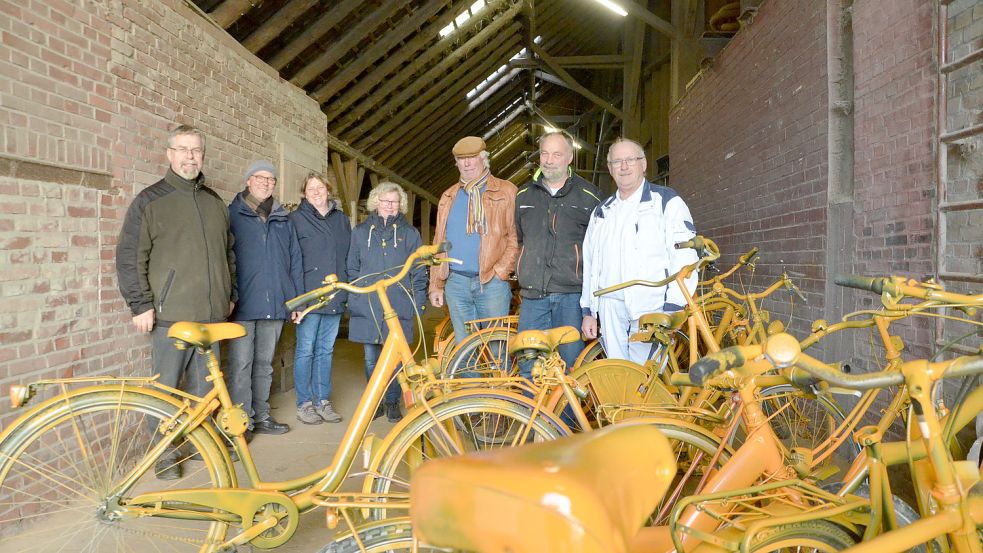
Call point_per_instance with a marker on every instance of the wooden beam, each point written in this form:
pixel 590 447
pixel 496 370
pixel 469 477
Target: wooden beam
pixel 313 32
pixel 262 35
pixel 230 11
pixel 498 28
pixel 339 145
pixel 344 76
pixel 454 125
pixel 562 73
pixel 337 49
pixel 656 22
pixel 461 79
pixel 381 73
pixel 633 47
pixel 598 61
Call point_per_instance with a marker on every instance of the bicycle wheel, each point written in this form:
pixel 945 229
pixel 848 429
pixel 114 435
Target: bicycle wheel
pixel 58 466
pixel 591 352
pixel 801 420
pixel 806 536
pixel 463 424
pixel 613 383
pixel 484 353
pixel 377 537
pixel 695 453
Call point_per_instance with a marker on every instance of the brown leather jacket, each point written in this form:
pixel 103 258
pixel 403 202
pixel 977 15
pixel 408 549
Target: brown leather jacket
pixel 499 247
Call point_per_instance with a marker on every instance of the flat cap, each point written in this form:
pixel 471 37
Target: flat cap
pixel 468 146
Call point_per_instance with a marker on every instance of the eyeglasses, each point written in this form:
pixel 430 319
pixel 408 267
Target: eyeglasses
pixel 184 151
pixel 629 161
pixel 265 180
pixel 389 202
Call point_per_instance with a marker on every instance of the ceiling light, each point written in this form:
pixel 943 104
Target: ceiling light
pixel 613 7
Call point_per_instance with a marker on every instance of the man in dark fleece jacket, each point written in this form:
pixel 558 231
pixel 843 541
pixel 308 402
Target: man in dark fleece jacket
pixel 551 216
pixel 174 261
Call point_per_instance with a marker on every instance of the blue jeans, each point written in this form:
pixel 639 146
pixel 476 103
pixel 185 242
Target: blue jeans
pixel 468 299
pixel 250 373
pixel 316 335
pixel 551 311
pixel 372 352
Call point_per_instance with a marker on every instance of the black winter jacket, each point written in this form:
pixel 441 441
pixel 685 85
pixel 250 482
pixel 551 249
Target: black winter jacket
pixel 174 252
pixel 551 233
pixel 324 245
pixel 378 250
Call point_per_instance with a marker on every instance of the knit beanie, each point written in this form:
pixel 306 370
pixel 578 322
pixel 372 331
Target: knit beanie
pixel 257 166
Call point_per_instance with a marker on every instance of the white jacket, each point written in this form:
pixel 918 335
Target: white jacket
pixel 662 219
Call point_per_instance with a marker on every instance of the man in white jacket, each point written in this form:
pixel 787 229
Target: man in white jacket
pixel 632 235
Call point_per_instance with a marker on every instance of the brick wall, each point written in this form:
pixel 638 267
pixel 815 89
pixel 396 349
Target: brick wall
pixel 89 90
pixel 747 146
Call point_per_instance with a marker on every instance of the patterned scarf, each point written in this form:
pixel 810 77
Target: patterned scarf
pixel 476 214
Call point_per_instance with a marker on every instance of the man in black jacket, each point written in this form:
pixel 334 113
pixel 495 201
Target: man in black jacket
pixel 551 213
pixel 174 262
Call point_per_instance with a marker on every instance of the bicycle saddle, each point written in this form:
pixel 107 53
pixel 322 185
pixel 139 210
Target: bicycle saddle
pixel 589 493
pixel 543 340
pixel 203 335
pixel 650 323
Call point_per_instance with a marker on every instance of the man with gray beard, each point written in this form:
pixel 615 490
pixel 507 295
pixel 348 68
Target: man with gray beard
pixel 174 262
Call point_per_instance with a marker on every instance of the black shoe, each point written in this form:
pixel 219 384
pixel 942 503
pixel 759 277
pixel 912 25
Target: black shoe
pixel 392 412
pixel 270 426
pixel 248 435
pixel 379 412
pixel 168 468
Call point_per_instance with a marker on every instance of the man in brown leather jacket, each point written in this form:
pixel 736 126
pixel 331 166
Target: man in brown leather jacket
pixel 477 215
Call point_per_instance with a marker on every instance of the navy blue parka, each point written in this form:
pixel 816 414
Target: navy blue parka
pixel 269 270
pixel 379 248
pixel 324 241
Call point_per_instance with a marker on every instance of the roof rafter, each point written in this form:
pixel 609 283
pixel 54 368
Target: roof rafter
pixel 313 32
pixel 275 25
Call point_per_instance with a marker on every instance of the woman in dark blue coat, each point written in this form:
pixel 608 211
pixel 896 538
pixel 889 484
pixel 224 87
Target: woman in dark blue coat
pixel 379 247
pixel 324 233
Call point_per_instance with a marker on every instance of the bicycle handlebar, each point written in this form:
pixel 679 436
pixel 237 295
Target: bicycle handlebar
pixel 426 253
pixel 782 350
pixel 702 245
pixel 899 287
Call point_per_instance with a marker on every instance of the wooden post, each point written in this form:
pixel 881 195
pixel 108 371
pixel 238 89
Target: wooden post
pixel 425 221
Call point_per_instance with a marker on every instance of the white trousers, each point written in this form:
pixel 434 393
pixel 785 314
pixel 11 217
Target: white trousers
pixel 616 327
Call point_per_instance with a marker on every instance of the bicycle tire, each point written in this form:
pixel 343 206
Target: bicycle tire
pixel 478 421
pixel 593 351
pixel 689 446
pixel 483 353
pixel 807 536
pixel 378 537
pixel 54 481
pixel 806 422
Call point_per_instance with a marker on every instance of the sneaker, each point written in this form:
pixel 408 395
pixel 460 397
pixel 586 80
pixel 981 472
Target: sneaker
pixel 326 412
pixel 392 412
pixel 270 426
pixel 168 467
pixel 307 415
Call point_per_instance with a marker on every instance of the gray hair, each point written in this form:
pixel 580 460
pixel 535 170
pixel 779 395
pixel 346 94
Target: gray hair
pixel 622 140
pixel 565 136
pixel 384 187
pixel 182 130
pixel 485 158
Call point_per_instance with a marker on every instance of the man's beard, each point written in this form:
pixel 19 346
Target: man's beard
pixel 554 175
pixel 189 172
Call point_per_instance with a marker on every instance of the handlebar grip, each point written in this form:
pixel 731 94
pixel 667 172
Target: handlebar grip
pixel 875 285
pixel 695 243
pixel 303 299
pixel 681 380
pixel 749 255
